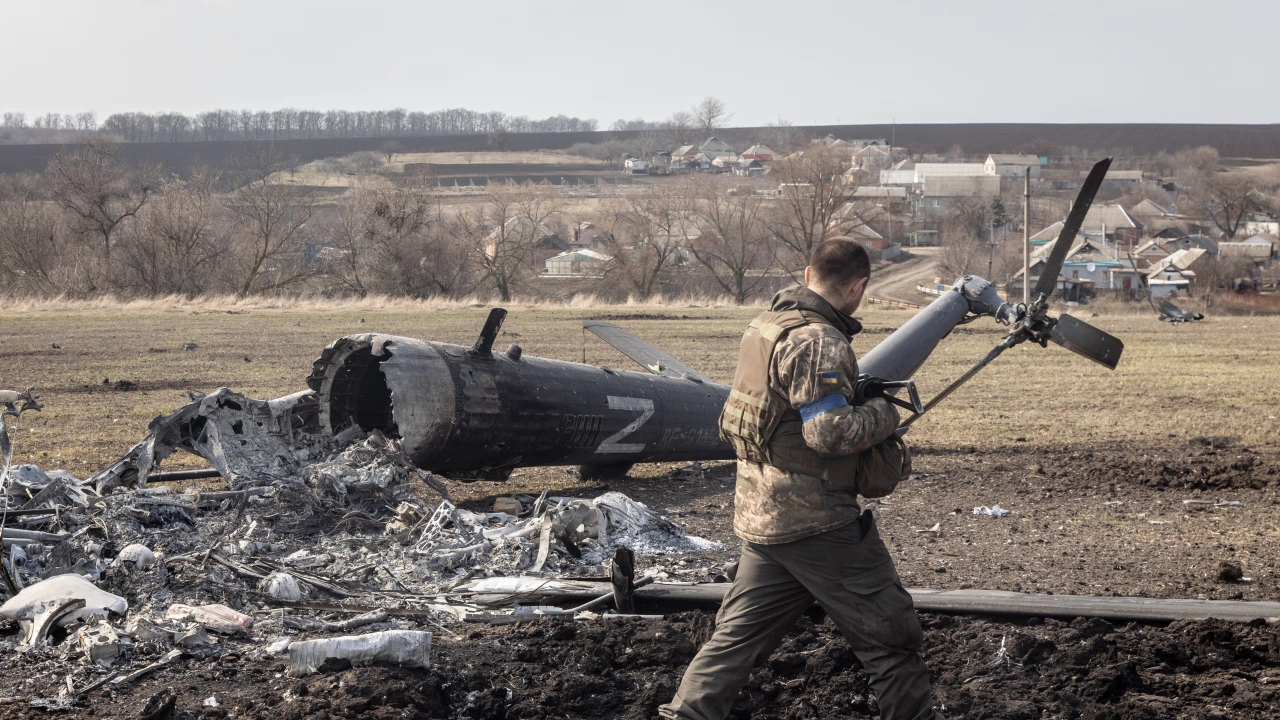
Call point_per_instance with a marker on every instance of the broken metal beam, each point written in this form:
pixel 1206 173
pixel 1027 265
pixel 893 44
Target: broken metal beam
pixel 1000 602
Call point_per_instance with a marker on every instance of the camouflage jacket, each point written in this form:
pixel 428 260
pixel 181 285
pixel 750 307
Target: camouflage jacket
pixel 808 364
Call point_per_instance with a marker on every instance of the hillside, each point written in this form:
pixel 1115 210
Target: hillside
pixel 1240 141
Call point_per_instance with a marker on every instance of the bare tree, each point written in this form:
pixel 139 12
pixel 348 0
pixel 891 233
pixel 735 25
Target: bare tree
pixel 1228 198
pixel 710 115
pixel 964 249
pixel 270 226
pixel 816 201
pixel 178 241
pixel 679 128
pixel 780 135
pixel 643 234
pixel 36 254
pixel 410 248
pixel 504 233
pixel 732 242
pixel 390 149
pixel 97 192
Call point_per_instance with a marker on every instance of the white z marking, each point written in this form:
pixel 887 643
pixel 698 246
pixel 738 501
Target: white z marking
pixel 644 407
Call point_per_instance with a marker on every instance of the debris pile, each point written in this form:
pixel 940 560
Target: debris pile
pixel 114 577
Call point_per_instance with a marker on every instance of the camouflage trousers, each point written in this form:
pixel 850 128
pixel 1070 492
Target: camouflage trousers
pixel 849 572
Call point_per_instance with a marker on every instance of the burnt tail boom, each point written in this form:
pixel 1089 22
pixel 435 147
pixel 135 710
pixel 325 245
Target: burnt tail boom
pixel 459 411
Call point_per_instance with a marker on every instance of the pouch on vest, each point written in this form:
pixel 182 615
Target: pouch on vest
pixel 882 467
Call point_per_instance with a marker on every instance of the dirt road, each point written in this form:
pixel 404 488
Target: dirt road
pixel 900 282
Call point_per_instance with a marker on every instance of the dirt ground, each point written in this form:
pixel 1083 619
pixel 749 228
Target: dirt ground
pixel 1095 468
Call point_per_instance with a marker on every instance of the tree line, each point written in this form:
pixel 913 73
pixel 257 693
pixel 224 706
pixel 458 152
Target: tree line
pixel 91 225
pixel 294 124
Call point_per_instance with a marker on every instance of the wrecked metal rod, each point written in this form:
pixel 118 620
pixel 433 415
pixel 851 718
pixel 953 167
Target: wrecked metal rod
pixel 608 596
pixel 175 475
pixel 32 535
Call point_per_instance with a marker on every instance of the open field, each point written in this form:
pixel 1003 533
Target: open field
pixel 1243 141
pixel 1094 466
pixel 1207 379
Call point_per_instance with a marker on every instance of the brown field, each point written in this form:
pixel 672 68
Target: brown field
pixel 1075 450
pixel 1213 378
pixel 1094 466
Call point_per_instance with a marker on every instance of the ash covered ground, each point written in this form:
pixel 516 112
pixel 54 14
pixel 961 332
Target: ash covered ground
pixel 351 530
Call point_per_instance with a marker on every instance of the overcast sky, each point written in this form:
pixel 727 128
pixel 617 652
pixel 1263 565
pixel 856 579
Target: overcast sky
pixel 810 61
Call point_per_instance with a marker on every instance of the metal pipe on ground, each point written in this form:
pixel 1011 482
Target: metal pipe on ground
pixel 999 602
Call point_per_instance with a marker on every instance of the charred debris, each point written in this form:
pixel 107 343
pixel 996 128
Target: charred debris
pixel 326 545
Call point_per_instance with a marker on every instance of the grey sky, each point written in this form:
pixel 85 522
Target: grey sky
pixel 806 60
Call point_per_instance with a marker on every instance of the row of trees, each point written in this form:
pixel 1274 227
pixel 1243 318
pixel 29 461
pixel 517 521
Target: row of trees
pixel 90 225
pixel 293 123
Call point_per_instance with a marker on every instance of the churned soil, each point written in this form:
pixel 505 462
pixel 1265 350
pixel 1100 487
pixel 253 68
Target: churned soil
pixel 625 669
pixel 1097 521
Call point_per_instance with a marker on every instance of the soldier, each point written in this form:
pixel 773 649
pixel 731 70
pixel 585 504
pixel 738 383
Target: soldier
pixel 804 454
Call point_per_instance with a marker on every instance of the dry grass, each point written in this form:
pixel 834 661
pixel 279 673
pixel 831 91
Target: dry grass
pixel 312 176
pixel 1213 378
pixel 491 158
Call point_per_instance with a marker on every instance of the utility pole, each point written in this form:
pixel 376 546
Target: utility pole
pixel 991 246
pixel 1026 239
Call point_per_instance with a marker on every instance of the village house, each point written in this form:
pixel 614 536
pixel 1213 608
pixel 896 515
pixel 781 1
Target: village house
pixel 636 166
pixel 1113 222
pixel 1012 165
pixel 576 263
pixel 1258 249
pixel 713 147
pixel 1175 274
pixel 940 192
pixel 543 243
pixel 757 152
pixel 684 155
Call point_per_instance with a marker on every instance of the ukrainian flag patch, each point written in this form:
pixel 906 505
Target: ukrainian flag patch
pixel 829 378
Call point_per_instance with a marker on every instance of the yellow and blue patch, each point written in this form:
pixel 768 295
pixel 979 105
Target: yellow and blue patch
pixel 829 378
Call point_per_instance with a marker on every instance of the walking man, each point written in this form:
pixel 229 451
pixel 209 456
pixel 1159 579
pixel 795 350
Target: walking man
pixel 804 453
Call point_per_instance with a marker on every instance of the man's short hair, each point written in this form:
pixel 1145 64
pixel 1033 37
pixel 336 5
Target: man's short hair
pixel 837 262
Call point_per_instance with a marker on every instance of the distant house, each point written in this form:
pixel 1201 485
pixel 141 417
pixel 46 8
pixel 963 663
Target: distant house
pixel 940 192
pixel 1262 226
pixel 875 192
pixel 1192 242
pixel 1050 234
pixel 724 163
pixel 714 147
pixel 585 236
pixel 636 166
pixel 749 167
pixel 576 263
pixel 1176 273
pixel 1258 249
pixel 684 154
pixel 1113 222
pixel 1172 232
pixel 1012 165
pixel 1122 179
pixel 757 152
pixel 523 230
pixel 901 173
pixel 1088 267
pixel 928 170
pixel 1148 208
pixel 874 157
pixel 1151 252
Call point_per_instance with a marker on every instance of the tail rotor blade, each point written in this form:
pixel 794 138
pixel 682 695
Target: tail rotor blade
pixel 1070 228
pixel 1088 341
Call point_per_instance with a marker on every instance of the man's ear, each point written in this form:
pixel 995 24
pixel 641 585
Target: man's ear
pixel 806 276
pixel 858 287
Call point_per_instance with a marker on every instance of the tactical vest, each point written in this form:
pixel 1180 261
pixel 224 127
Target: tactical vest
pixel 761 426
